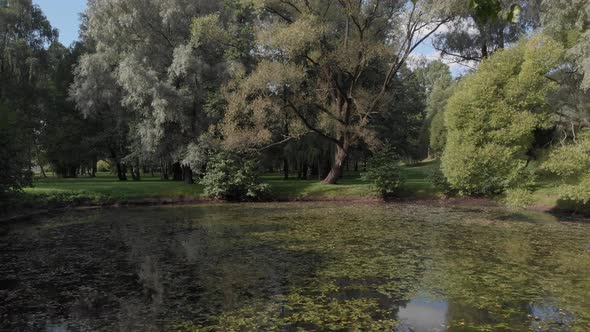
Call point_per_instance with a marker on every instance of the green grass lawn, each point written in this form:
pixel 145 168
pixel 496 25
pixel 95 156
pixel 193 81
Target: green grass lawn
pixel 107 185
pixel 416 184
pixel 106 189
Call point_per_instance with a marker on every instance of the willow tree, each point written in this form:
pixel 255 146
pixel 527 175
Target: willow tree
pixel 330 65
pixel 96 93
pixel 25 34
pixel 163 78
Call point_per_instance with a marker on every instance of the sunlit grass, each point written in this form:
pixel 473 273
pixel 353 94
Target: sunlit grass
pixel 106 189
pixel 108 186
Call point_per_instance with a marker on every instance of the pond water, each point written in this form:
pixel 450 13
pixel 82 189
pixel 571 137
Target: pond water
pixel 296 266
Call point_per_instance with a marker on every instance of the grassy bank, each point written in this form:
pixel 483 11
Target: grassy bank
pixel 105 189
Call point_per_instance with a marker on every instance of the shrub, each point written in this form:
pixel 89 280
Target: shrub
pixel 440 182
pixel 233 178
pixel 518 198
pixel 571 160
pixel 104 166
pixel 492 117
pixel 383 172
pixel 571 163
pixel 575 197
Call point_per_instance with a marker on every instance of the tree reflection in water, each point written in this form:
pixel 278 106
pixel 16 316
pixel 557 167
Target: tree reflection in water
pixel 296 266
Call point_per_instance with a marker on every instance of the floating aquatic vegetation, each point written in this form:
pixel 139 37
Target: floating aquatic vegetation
pixel 296 266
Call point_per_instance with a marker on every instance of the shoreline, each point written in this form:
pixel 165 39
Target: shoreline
pixel 20 216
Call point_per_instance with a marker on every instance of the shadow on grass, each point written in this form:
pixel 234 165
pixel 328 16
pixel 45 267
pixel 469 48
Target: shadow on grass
pixel 417 184
pixel 570 206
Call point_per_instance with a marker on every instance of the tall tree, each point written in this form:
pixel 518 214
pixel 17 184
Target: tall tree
pixel 331 65
pixel 485 26
pixel 166 67
pixel 25 34
pixel 436 79
pixel 98 96
pixel 569 22
pixel 493 114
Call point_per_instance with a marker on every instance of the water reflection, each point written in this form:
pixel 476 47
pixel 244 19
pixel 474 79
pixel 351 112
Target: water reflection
pixel 423 314
pixel 296 266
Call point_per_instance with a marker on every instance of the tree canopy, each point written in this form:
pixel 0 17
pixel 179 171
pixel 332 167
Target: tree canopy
pixel 307 87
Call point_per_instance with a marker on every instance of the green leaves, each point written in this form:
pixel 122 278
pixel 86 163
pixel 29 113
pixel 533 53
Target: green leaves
pixel 234 178
pixel 491 10
pixel 383 172
pixel 207 29
pixel 513 14
pixel 493 114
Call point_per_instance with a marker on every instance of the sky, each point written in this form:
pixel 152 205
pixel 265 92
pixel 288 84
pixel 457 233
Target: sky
pixel 63 15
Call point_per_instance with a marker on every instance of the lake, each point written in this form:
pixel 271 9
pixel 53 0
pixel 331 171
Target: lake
pixel 296 266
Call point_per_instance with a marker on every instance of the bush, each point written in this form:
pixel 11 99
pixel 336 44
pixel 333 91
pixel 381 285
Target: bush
pixel 575 197
pixel 493 115
pixel 518 198
pixel 571 160
pixel 233 178
pixel 383 172
pixel 571 163
pixel 104 166
pixel 440 182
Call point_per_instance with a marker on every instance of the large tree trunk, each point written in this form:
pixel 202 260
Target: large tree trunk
pixel 163 170
pixel 42 171
pixel 336 171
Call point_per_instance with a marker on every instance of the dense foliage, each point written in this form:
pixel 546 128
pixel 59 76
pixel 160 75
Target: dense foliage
pixel 312 88
pixel 13 162
pixel 329 68
pixel 24 31
pixel 492 117
pixel 234 178
pixel 571 162
pixel 384 173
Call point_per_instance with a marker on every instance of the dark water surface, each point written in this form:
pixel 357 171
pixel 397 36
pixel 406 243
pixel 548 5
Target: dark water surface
pixel 296 266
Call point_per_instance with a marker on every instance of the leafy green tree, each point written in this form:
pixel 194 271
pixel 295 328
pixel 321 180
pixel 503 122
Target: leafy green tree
pixel 438 83
pixel 437 103
pixel 330 65
pixel 569 22
pixel 25 34
pixel 98 97
pixel 493 114
pixel 165 69
pixel 14 173
pixel 484 26
pixel 401 122
pixel 67 139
